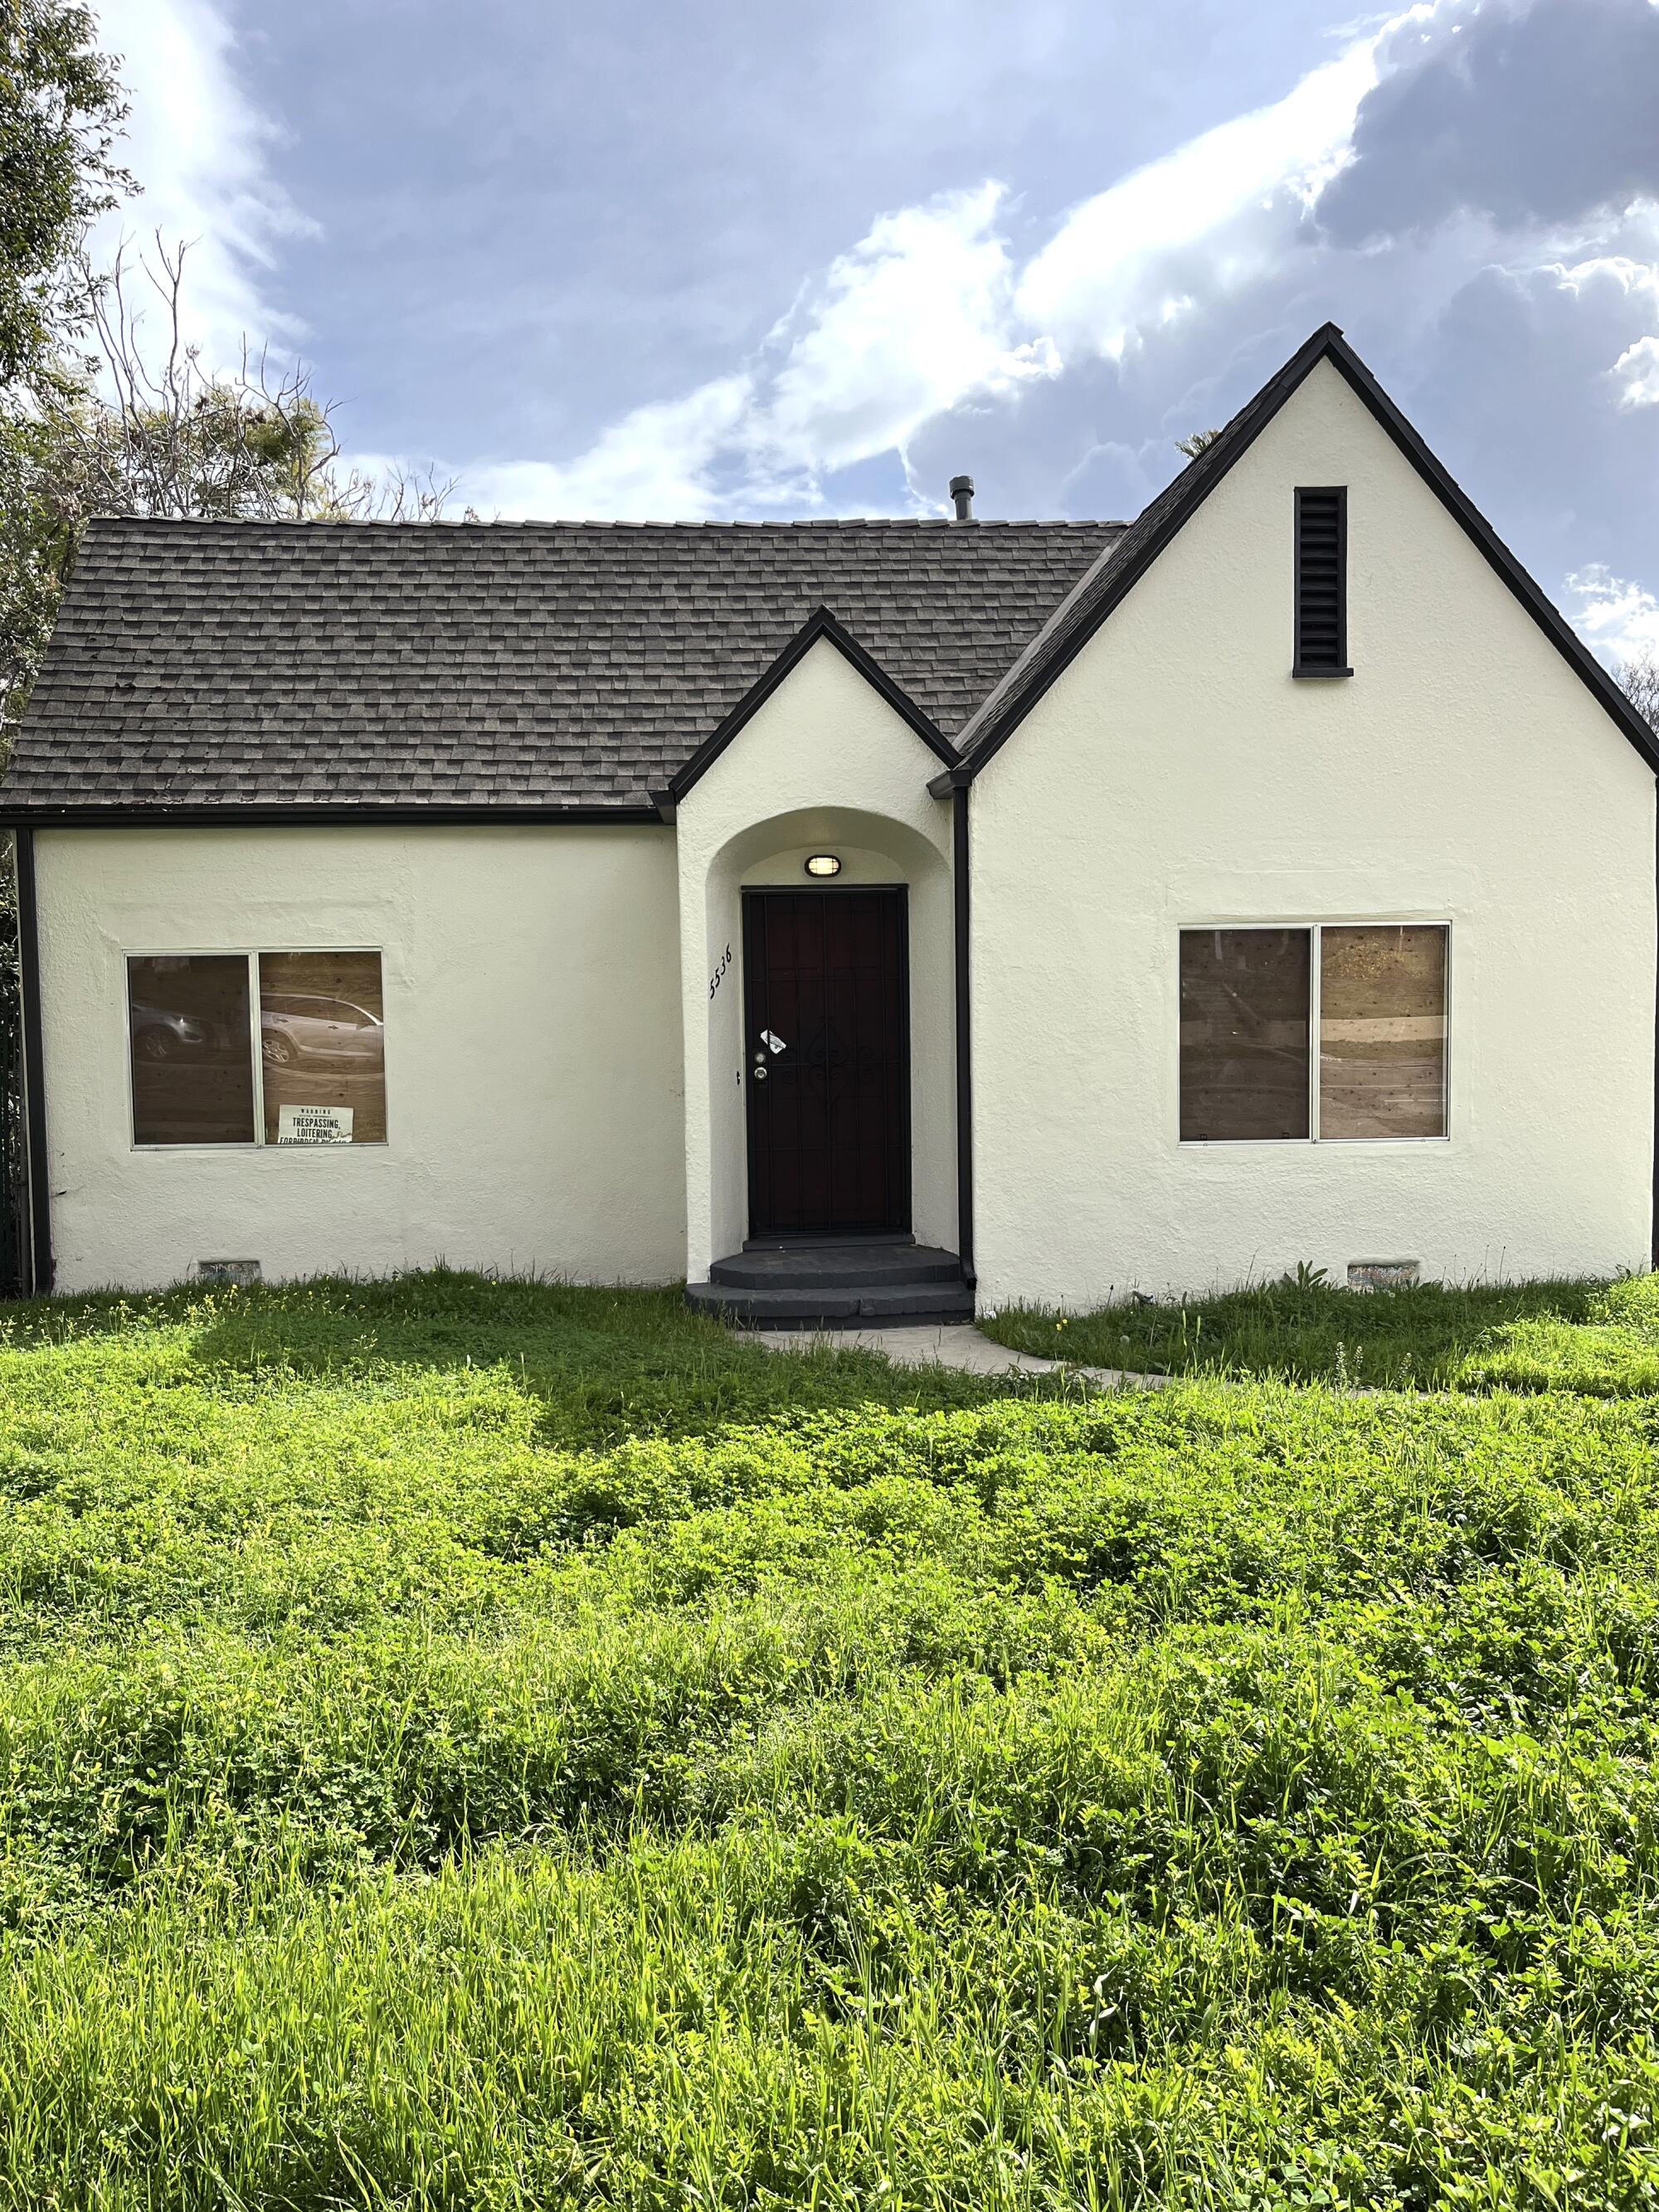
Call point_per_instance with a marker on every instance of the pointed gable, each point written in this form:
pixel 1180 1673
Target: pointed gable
pixel 1121 564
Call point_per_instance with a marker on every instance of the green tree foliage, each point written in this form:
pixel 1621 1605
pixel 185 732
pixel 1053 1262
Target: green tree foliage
pixel 105 408
pixel 37 538
pixel 153 430
pixel 60 108
pixel 139 425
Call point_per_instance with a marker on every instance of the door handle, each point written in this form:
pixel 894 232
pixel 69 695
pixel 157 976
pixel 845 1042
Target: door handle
pixel 760 1075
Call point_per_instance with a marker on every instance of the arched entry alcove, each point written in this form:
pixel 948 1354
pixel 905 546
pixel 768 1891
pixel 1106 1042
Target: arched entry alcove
pixel 763 864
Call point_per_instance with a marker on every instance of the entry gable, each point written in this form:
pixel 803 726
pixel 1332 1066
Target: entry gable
pixel 820 626
pixel 1115 574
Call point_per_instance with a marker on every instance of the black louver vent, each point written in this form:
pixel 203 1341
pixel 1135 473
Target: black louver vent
pixel 1322 581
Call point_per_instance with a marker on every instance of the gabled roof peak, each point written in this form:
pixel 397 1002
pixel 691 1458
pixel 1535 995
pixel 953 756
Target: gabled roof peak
pixel 1121 565
pixel 820 625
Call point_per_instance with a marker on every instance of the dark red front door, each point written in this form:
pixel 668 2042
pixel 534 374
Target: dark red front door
pixel 827 1062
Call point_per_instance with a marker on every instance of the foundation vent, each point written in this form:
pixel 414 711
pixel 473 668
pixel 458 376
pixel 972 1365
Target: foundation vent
pixel 1383 1274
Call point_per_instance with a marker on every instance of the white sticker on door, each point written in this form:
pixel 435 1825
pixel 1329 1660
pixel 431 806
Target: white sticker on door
pixel 772 1043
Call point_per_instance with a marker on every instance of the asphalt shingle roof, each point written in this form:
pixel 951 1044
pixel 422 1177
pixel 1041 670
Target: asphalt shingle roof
pixel 489 664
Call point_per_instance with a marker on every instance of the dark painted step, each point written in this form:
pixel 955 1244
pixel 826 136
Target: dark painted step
pixel 830 1285
pixel 836 1266
pixel 891 1304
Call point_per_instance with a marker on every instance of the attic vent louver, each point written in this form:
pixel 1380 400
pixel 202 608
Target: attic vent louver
pixel 1322 581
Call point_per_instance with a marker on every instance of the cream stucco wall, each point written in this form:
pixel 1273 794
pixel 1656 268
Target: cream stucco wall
pixel 533 1046
pixel 1176 774
pixel 824 762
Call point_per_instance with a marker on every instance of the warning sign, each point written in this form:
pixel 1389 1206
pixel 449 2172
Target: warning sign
pixel 313 1125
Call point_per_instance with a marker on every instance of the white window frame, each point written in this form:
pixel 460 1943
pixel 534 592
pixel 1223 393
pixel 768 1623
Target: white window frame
pixel 252 954
pixel 1315 932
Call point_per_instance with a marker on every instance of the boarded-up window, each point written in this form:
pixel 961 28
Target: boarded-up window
pixel 1244 1001
pixel 192 1063
pixel 322 1044
pixel 1382 1031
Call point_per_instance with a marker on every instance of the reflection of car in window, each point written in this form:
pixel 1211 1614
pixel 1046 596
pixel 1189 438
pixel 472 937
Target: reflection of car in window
pixel 158 1033
pixel 301 1026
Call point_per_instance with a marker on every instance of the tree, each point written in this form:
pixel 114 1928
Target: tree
pixel 139 426
pixel 104 408
pixel 150 430
pixel 1639 677
pixel 60 107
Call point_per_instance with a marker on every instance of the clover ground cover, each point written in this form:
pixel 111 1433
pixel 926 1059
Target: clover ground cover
pixel 466 1744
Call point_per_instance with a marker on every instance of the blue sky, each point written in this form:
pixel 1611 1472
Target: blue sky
pixel 730 258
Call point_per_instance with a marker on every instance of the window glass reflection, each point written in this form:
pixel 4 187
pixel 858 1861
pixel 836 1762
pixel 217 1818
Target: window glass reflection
pixel 192 1069
pixel 322 1042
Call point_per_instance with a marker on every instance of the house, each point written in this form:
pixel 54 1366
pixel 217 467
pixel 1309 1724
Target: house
pixel 846 916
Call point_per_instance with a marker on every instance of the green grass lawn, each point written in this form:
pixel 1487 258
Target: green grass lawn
pixel 1598 1338
pixel 482 1745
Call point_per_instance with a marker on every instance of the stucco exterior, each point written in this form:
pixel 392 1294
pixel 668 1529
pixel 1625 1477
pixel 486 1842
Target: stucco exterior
pixel 825 761
pixel 565 1055
pixel 1175 775
pixel 533 1051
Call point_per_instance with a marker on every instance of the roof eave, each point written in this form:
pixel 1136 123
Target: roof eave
pixel 319 814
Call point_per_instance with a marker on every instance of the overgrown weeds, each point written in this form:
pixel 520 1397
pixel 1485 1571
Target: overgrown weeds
pixel 1240 1795
pixel 1599 1337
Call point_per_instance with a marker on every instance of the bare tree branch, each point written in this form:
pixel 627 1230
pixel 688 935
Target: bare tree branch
pixel 1639 677
pixel 135 426
pixel 154 432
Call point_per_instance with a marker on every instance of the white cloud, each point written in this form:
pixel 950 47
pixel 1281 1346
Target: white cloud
pixel 199 148
pixel 1638 366
pixel 1120 260
pixel 652 465
pixel 1615 617
pixel 930 310
pixel 916 317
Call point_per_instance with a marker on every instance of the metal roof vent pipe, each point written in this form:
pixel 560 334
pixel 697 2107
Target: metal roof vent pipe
pixel 962 491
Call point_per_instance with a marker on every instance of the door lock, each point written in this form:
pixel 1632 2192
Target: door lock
pixel 760 1075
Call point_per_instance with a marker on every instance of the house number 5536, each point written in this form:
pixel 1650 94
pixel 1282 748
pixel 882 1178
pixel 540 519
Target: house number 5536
pixel 715 980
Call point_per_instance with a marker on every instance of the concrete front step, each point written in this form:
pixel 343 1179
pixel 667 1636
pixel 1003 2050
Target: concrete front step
pixel 895 1304
pixel 835 1268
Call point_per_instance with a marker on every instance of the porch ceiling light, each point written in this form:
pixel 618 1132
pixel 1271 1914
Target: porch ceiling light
pixel 823 864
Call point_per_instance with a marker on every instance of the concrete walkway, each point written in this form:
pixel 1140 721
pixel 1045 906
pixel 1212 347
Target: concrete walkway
pixel 948 1343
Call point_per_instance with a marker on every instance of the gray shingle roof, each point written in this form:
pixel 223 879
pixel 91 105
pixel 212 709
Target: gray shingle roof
pixel 489 664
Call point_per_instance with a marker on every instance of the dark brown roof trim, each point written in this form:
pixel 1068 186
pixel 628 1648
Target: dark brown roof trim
pixel 819 624
pixel 366 813
pixel 1120 568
